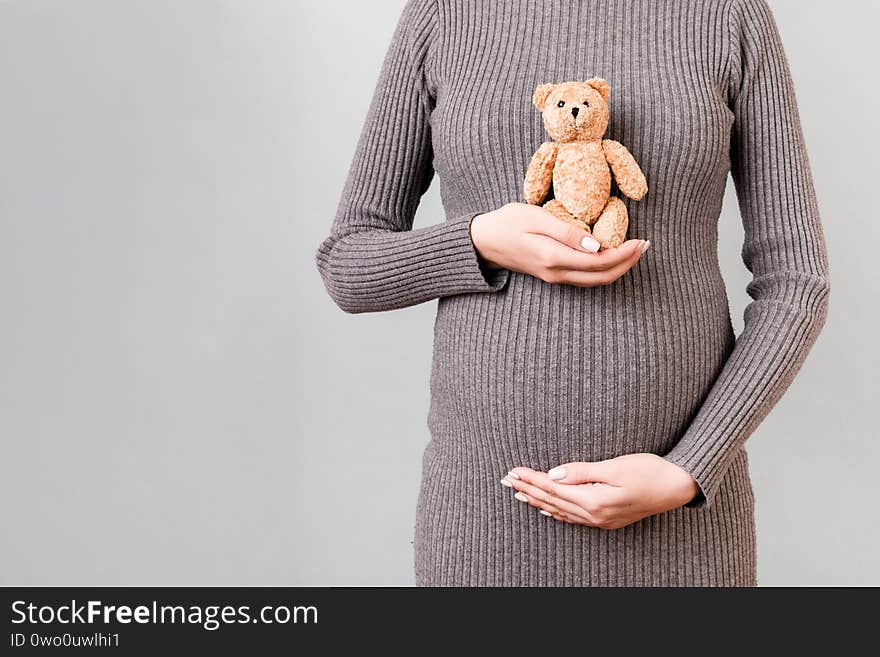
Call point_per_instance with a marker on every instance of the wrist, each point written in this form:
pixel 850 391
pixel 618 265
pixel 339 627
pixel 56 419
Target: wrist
pixel 686 486
pixel 480 241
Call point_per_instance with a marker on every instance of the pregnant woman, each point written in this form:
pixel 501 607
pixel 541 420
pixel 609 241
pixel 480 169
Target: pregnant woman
pixel 606 390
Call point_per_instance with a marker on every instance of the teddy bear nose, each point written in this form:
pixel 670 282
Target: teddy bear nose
pixel 574 111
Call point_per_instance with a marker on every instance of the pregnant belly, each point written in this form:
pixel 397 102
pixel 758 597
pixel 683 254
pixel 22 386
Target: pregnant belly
pixel 546 374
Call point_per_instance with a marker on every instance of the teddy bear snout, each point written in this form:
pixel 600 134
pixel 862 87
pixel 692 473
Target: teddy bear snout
pixel 574 111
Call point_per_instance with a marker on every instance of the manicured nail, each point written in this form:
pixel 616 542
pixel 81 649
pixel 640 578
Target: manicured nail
pixel 557 473
pixel 512 475
pixel 590 244
pixel 504 482
pixel 545 513
pixel 521 497
pixel 645 246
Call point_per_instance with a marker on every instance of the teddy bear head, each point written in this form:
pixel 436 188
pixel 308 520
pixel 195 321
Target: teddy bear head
pixel 574 111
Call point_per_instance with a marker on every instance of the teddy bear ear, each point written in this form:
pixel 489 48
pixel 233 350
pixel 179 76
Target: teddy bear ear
pixel 601 86
pixel 541 94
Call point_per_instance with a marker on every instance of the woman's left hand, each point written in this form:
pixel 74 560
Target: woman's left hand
pixel 608 494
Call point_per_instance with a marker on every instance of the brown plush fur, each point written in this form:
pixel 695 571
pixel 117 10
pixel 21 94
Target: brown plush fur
pixel 579 163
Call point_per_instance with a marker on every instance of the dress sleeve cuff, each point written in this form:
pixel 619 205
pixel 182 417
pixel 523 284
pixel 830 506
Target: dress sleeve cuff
pixel 706 493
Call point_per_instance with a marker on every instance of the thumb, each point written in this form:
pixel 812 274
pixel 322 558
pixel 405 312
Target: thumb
pixel 583 472
pixel 567 233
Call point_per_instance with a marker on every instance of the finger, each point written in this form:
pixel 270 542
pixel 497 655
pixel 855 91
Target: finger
pixel 544 223
pixel 594 279
pixel 561 517
pixel 556 255
pixel 564 517
pixel 582 498
pixel 565 232
pixel 549 511
pixel 541 498
pixel 582 472
pixel 533 477
pixel 571 520
pixel 548 508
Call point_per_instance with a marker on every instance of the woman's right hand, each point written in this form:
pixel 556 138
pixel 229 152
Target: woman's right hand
pixel 528 239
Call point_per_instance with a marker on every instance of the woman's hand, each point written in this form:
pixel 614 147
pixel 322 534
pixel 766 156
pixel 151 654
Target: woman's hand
pixel 608 494
pixel 528 239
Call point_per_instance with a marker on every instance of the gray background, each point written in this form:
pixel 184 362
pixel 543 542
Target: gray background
pixel 181 403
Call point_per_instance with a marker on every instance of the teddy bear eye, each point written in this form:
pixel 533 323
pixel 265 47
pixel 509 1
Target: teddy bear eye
pixel 586 103
pixel 561 103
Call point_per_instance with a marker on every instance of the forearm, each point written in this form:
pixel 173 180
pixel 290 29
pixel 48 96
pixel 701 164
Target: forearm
pixel 778 336
pixel 373 260
pixel 374 270
pixel 784 249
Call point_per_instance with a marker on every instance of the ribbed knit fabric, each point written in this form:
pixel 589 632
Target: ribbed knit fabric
pixel 535 374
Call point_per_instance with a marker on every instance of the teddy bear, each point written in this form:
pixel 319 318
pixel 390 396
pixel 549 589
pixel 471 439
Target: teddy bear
pixel 578 162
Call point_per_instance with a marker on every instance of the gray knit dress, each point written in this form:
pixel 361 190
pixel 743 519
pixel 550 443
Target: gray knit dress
pixel 536 374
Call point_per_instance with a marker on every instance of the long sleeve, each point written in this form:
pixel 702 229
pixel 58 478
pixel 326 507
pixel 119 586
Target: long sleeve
pixel 373 260
pixel 784 250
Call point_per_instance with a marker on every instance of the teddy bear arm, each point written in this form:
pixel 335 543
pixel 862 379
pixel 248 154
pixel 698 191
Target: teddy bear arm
pixel 630 178
pixel 539 175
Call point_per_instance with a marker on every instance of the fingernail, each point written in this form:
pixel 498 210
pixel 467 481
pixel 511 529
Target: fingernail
pixel 590 244
pixel 504 482
pixel 521 497
pixel 545 513
pixel 512 475
pixel 557 473
pixel 645 245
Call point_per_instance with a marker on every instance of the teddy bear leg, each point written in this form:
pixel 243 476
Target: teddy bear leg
pixel 558 210
pixel 610 228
